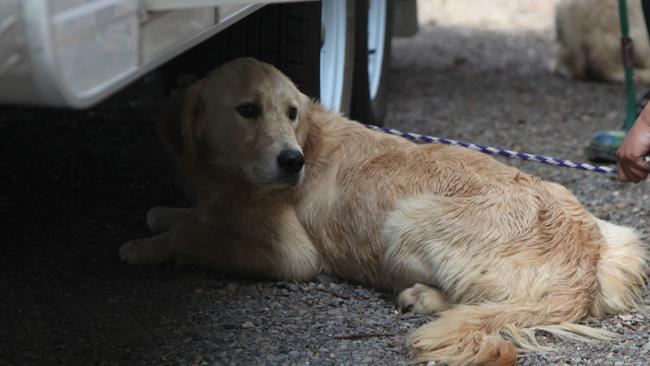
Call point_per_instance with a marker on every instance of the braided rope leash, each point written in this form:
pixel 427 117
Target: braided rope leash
pixel 498 151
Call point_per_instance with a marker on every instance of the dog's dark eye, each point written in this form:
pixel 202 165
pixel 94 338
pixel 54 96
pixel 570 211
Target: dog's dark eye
pixel 248 110
pixel 292 113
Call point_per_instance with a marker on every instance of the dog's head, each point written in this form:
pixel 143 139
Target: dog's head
pixel 244 115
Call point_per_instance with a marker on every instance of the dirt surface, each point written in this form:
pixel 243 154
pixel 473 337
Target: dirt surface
pixel 74 185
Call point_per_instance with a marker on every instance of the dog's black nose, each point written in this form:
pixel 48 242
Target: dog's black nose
pixel 291 161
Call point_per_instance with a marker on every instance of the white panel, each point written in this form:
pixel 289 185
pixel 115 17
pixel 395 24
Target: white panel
pixel 162 30
pixel 95 42
pixel 186 4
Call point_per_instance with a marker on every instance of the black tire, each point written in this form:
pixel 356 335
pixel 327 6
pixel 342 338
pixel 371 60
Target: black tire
pixel 364 108
pixel 287 36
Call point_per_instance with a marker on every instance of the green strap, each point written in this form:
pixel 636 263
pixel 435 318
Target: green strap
pixel 628 62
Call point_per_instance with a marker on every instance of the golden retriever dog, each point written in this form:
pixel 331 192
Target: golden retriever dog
pixel 589 40
pixel 286 189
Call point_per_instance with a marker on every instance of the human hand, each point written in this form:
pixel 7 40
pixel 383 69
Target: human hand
pixel 632 166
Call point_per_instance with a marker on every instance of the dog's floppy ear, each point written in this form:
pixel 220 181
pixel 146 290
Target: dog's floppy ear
pixel 182 126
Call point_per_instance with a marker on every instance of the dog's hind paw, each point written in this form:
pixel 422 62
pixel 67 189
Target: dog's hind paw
pixel 422 299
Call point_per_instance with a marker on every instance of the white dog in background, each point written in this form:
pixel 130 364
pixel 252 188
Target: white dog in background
pixel 589 40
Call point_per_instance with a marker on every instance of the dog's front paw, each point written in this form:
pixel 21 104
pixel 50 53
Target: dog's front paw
pixel 150 250
pixel 165 218
pixel 422 299
pixel 130 253
pixel 155 219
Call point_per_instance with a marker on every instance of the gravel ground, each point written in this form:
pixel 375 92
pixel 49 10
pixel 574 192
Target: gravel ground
pixel 75 185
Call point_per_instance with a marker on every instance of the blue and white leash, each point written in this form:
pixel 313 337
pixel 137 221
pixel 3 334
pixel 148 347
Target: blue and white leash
pixel 499 151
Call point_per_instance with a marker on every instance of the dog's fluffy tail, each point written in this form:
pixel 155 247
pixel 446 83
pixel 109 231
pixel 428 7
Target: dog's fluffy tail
pixel 491 334
pixel 622 270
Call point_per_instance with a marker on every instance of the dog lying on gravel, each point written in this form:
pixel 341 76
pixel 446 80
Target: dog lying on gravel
pixel 589 40
pixel 286 189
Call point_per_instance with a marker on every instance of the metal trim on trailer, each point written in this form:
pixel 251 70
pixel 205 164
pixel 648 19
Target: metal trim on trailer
pixel 45 83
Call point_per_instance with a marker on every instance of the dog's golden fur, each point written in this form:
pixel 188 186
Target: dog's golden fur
pixel 589 40
pixel 496 252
